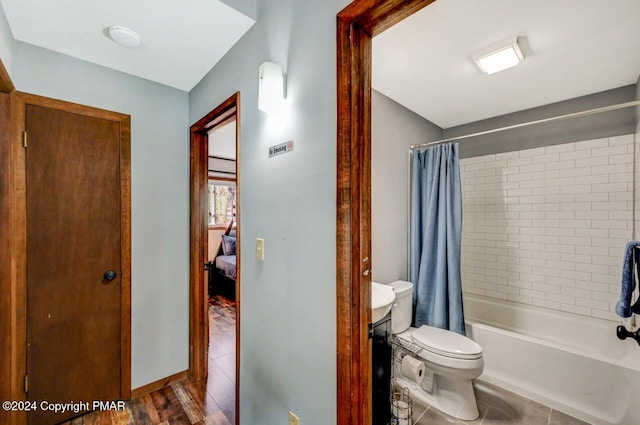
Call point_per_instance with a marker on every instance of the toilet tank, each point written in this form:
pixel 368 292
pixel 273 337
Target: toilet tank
pixel 402 308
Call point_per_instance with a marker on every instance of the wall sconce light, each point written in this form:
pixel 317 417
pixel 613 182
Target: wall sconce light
pixel 500 56
pixel 271 88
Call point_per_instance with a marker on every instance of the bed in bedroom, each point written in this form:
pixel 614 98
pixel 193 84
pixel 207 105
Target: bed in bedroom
pixel 222 270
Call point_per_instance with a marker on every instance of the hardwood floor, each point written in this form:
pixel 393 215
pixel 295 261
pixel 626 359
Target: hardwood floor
pixel 182 403
pixel 221 384
pixel 187 403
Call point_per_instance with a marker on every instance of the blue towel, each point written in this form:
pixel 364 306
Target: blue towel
pixel 631 257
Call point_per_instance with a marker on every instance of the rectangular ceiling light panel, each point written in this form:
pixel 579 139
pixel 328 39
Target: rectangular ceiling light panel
pixel 499 57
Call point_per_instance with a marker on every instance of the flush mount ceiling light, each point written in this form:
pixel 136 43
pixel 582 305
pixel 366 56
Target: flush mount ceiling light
pixel 124 36
pixel 499 57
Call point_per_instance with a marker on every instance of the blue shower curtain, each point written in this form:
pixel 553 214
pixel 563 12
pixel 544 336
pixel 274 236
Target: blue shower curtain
pixel 436 233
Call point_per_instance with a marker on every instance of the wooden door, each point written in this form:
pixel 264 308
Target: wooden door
pixel 74 227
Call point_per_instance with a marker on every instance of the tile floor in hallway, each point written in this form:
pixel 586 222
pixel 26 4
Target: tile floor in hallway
pixel 498 407
pixel 187 403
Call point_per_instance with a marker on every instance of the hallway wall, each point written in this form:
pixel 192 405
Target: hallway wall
pixel 288 307
pixel 160 183
pixel 7 44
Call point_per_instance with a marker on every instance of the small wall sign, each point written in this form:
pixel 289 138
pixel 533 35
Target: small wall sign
pixel 280 149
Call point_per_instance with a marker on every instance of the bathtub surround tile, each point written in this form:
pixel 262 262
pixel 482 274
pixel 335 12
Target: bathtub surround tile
pixel 621 159
pixel 569 308
pixel 546 304
pixel 546 158
pixel 532 152
pixel 573 217
pixel 499 156
pixel 559 148
pixel 592 144
pixel 636 189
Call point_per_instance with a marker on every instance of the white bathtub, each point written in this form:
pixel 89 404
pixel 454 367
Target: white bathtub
pixel 571 363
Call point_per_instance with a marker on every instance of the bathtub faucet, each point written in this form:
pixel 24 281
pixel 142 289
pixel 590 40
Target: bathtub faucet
pixel 623 333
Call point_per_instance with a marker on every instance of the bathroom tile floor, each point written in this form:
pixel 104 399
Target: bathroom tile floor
pixel 498 407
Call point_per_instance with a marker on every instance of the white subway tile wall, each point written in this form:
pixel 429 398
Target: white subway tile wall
pixel 548 226
pixel 636 190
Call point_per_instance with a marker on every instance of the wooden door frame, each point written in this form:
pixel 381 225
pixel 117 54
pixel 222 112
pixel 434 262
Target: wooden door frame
pixel 357 24
pixel 7 303
pixel 198 253
pixel 13 168
pixel 6 85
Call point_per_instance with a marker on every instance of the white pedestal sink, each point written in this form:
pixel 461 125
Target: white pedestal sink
pixel 382 298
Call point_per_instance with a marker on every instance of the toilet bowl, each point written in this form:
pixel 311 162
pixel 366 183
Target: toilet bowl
pixel 451 362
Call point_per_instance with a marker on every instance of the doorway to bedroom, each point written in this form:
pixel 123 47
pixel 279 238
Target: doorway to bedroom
pixel 215 272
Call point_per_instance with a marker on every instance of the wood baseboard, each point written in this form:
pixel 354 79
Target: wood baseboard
pixel 161 383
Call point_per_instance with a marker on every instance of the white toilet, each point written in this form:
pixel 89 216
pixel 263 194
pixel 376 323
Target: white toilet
pixel 451 360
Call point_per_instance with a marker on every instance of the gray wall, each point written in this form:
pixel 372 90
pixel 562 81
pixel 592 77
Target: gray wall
pixel 159 166
pixel 288 326
pixel 393 129
pixel 595 126
pixel 7 44
pixel 248 7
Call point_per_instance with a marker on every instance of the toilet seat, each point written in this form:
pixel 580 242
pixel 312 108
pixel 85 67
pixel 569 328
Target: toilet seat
pixel 446 343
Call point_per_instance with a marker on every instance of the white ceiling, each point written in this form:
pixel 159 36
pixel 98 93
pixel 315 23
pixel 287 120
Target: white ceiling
pixel 572 48
pixel 181 39
pixel 222 141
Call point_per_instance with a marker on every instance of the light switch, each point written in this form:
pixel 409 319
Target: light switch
pixel 293 419
pixel 260 249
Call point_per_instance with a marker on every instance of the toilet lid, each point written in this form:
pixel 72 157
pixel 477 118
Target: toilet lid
pixel 446 343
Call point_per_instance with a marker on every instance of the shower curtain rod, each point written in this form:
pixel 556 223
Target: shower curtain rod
pixel 525 124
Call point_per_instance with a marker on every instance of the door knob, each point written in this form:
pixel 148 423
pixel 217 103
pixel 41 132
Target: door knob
pixel 109 275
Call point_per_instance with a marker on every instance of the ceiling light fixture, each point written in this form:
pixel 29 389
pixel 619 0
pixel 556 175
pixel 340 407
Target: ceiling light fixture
pixel 124 36
pixel 500 56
